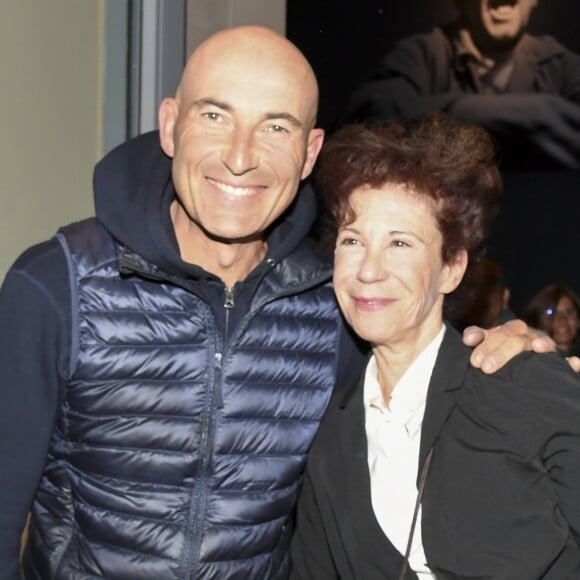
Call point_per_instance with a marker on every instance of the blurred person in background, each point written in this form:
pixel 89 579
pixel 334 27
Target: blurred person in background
pixel 556 310
pixel 482 299
pixel 484 68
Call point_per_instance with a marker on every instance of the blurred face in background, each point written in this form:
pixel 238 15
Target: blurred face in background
pixel 496 25
pixel 562 323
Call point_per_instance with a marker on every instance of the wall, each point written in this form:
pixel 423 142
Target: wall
pixel 50 114
pixel 204 17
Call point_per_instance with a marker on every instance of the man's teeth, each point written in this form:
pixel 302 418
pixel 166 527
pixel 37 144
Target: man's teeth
pixel 231 190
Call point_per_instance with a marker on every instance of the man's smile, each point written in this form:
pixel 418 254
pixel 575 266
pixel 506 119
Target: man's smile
pixel 235 190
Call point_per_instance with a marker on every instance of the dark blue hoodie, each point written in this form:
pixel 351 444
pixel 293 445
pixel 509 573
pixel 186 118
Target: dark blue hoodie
pixel 133 192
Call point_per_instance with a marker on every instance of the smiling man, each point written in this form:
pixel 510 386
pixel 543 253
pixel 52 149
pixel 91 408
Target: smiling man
pixel 484 68
pixel 167 363
pixel 240 146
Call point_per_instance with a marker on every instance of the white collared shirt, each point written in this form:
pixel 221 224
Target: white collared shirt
pixel 394 436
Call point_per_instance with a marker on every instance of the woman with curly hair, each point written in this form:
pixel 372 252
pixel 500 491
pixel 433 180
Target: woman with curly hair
pixel 430 468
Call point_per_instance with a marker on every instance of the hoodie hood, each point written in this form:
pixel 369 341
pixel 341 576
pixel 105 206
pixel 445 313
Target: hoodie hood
pixel 133 194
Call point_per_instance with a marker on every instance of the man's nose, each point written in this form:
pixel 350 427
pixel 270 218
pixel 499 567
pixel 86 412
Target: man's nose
pixel 239 154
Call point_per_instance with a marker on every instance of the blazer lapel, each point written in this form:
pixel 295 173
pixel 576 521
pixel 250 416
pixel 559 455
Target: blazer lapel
pixel 450 366
pixel 383 559
pixel 352 446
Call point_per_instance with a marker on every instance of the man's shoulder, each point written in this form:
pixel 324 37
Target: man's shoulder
pixel 306 262
pixel 434 40
pixel 39 275
pixel 39 259
pixel 432 50
pixel 82 229
pixel 542 48
pixel 87 243
pixel 46 264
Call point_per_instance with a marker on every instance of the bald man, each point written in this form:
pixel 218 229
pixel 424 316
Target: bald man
pixel 167 363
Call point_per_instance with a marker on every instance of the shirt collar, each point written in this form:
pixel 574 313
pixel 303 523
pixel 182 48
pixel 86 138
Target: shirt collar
pixel 466 51
pixel 410 393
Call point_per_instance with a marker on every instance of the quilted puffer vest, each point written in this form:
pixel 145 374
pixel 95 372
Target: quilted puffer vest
pixel 175 455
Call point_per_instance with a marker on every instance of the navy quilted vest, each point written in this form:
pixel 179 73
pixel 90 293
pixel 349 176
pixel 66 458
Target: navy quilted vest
pixel 175 455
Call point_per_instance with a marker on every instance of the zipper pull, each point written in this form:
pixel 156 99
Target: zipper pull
pixel 229 298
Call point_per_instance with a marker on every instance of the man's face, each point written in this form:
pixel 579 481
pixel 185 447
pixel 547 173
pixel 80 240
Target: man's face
pixel 242 139
pixel 496 24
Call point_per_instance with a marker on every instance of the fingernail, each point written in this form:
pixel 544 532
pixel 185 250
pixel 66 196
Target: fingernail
pixel 488 366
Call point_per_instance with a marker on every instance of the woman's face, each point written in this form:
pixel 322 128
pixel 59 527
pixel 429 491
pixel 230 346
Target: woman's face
pixel 563 322
pixel 389 277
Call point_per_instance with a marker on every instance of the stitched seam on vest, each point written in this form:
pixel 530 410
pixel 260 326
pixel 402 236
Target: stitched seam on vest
pixel 74 303
pixel 151 519
pixel 118 548
pixel 115 447
pixel 83 572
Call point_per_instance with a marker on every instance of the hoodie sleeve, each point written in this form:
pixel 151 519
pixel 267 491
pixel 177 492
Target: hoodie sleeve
pixel 34 354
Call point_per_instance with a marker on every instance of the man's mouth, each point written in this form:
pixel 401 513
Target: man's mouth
pixel 497 4
pixel 232 189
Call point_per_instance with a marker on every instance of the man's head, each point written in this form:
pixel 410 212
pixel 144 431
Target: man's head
pixel 241 132
pixel 495 25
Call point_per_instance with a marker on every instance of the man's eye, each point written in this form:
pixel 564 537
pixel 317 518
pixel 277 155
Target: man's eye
pixel 400 244
pixel 211 116
pixel 277 129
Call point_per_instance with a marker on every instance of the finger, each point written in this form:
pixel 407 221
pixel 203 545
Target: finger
pixel 543 344
pixel 501 344
pixel 574 362
pixel 497 350
pixel 473 335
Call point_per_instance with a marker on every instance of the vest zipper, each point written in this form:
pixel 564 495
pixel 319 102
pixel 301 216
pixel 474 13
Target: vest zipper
pixel 219 400
pixel 200 498
pixel 229 298
pixel 229 304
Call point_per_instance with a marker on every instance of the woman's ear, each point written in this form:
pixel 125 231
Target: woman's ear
pixel 453 271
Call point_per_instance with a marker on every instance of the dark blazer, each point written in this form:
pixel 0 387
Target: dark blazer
pixel 502 498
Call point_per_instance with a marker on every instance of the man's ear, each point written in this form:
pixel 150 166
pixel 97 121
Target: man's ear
pixel 168 112
pixel 315 140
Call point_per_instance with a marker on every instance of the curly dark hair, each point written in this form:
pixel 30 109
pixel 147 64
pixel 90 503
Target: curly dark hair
pixel 450 162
